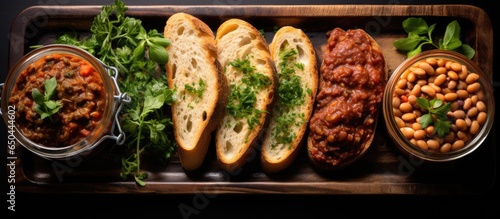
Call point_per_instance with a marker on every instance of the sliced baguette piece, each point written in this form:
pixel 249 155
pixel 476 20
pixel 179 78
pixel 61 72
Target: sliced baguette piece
pixel 287 127
pixel 236 139
pixel 193 70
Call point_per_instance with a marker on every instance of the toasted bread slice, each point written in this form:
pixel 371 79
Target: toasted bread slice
pixel 193 70
pixel 248 66
pixel 295 60
pixel 353 77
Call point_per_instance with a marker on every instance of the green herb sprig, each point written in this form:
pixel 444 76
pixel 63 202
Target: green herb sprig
pixel 46 107
pixel 420 34
pixel 437 115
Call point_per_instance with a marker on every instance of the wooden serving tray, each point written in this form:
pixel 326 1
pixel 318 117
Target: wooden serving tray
pixel 383 170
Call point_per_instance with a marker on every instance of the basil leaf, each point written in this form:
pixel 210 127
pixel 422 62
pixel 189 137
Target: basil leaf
pixel 158 54
pixel 415 51
pixel 408 44
pixel 160 40
pixel 466 50
pixel 454 44
pixel 415 25
pixel 429 32
pixel 139 51
pixel 451 38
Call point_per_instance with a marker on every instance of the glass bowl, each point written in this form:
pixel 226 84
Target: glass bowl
pixel 19 109
pixel 419 128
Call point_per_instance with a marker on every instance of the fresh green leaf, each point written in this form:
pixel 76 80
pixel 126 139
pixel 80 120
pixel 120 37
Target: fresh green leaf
pixel 435 103
pixel 420 34
pixel 452 45
pixel 426 120
pixel 466 50
pixel 414 51
pixel 437 115
pixel 43 105
pixel 409 43
pixel 152 103
pixel 423 103
pixel 50 104
pixel 442 110
pixel 442 127
pixel 415 25
pixel 37 96
pixel 430 31
pixel 158 53
pixel 139 51
pixel 158 39
pixel 50 87
pixel 451 38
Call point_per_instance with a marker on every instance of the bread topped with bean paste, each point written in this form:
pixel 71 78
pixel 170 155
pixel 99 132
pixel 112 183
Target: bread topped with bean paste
pixel 244 55
pixel 295 61
pixel 352 81
pixel 194 72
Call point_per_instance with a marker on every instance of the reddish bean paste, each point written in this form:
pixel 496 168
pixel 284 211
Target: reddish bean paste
pixel 350 93
pixel 79 89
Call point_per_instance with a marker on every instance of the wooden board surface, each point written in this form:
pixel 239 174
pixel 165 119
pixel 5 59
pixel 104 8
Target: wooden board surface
pixel 383 170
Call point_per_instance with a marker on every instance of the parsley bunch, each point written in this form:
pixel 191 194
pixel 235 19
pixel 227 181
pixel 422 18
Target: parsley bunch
pixel 420 34
pixel 139 55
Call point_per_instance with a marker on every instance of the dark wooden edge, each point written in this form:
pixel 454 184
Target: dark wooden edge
pixel 29 18
pixel 37 15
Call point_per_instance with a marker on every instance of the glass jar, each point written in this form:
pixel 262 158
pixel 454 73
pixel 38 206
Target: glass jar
pixel 106 127
pixel 418 145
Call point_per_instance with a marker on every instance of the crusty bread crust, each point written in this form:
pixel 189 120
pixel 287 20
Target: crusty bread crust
pixel 193 62
pixel 239 40
pixel 275 156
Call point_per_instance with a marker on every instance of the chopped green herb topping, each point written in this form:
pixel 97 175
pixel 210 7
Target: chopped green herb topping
pixel 197 91
pixel 291 94
pixel 243 97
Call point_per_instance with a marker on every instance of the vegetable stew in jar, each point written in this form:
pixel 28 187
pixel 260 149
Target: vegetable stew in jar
pixel 63 101
pixel 65 111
